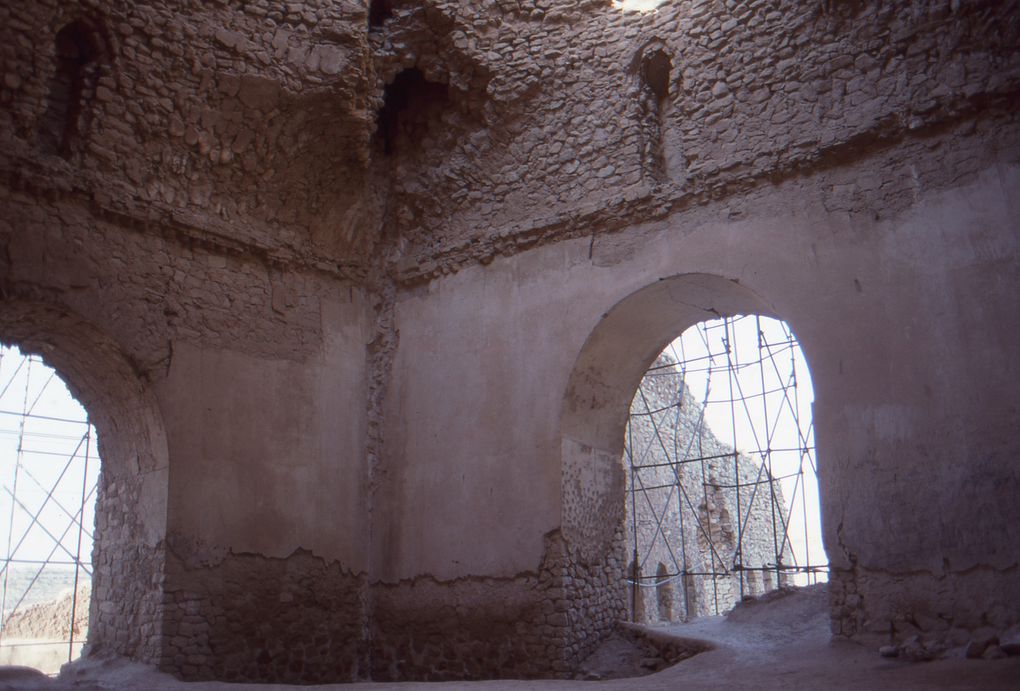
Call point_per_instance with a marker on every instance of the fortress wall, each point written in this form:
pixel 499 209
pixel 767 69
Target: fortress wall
pixel 322 359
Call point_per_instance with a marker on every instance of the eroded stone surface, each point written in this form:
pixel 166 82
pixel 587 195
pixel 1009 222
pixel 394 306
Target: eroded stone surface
pixel 204 184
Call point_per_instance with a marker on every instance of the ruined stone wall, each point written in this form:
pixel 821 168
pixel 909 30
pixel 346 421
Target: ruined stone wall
pixel 595 592
pixel 867 108
pixel 923 615
pixel 204 184
pixel 520 321
pixel 128 561
pixel 245 617
pixel 757 91
pixel 684 515
pixel 473 627
pixel 228 122
pixel 126 612
pixel 541 624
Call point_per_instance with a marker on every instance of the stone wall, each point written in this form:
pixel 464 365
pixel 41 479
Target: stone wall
pixel 535 625
pixel 595 594
pixel 128 212
pixel 757 91
pixel 345 357
pixel 470 628
pixel 227 122
pixel 667 427
pixel 126 612
pixel 248 618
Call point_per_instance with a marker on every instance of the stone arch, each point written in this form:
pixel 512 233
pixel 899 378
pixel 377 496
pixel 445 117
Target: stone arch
pixel 131 508
pixel 618 351
pixel 602 382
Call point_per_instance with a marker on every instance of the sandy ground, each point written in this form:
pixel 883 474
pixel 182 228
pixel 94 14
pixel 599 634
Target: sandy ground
pixel 782 643
pixel 43 654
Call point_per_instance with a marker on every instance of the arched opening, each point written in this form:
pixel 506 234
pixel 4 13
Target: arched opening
pixel 656 71
pixel 620 349
pixel 127 558
pixel 664 592
pixel 49 472
pixel 720 467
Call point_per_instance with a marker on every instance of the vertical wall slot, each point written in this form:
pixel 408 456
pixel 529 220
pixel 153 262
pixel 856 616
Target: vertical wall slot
pixel 78 52
pixel 656 69
pixel 378 12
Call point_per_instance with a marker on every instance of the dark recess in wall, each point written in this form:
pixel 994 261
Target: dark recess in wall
pixel 657 68
pixel 410 102
pixel 378 12
pixel 78 51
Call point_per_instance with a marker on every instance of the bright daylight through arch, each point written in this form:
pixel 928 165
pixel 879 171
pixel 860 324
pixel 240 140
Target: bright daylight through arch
pixel 49 468
pixel 722 492
pixel 639 5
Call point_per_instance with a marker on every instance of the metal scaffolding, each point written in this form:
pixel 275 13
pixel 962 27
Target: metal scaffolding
pixel 49 471
pixel 720 458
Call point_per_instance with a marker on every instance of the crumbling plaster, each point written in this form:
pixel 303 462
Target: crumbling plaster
pixel 404 377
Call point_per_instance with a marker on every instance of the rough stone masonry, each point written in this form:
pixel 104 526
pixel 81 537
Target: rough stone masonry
pixel 358 294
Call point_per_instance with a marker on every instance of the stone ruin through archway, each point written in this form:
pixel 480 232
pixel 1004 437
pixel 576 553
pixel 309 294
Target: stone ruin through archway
pixel 707 524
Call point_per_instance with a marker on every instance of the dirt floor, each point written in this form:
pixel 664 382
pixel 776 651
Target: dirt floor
pixel 777 643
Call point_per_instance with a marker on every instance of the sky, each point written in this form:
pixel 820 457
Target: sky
pixel 52 454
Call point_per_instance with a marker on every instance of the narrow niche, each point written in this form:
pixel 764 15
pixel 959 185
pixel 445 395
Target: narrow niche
pixel 411 105
pixel 664 591
pixel 79 51
pixel 378 12
pixel 655 69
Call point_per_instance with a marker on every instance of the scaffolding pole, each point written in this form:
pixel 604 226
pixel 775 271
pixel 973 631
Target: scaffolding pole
pixel 50 478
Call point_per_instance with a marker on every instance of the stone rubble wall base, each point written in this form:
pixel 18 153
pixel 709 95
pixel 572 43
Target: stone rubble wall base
pixel 255 619
pixel 302 620
pixel 924 615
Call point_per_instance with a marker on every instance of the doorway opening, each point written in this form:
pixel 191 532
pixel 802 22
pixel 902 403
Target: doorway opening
pixel 49 473
pixel 721 479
